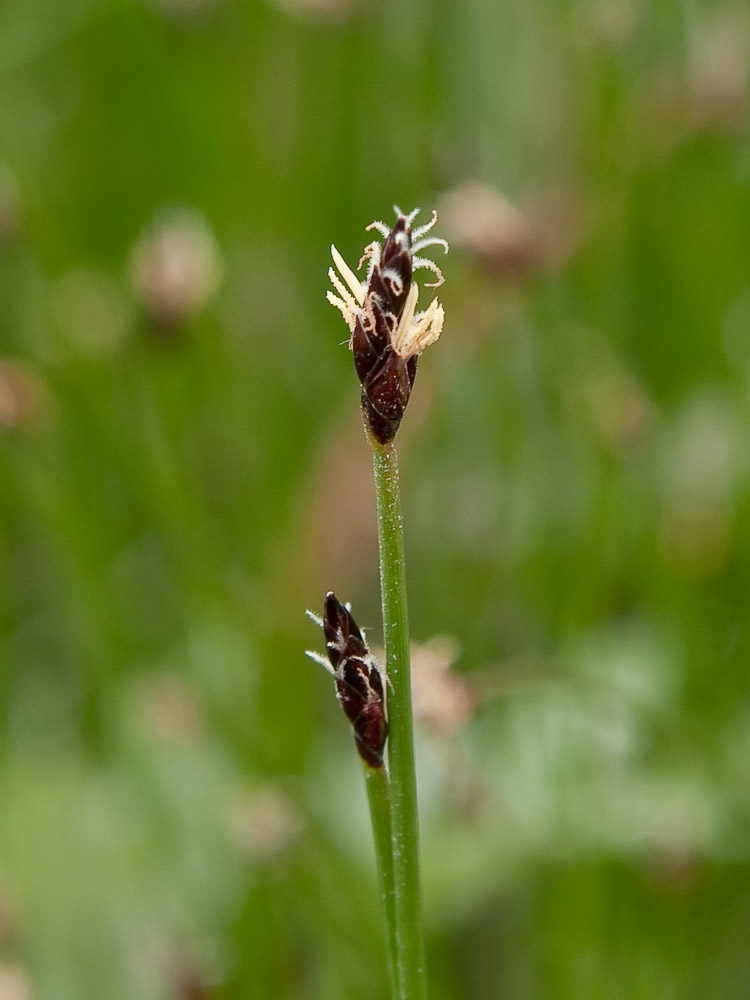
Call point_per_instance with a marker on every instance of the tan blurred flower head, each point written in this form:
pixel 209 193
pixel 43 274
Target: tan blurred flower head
pixel 175 267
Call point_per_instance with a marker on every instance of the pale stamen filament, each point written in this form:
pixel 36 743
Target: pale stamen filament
pixel 348 275
pixel 347 304
pixel 339 286
pixel 400 340
pixel 416 332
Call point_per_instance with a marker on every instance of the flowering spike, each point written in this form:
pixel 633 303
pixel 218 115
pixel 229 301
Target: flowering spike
pixel 358 677
pixel 388 334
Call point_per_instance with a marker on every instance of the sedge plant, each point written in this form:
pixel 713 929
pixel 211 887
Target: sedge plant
pixel 387 337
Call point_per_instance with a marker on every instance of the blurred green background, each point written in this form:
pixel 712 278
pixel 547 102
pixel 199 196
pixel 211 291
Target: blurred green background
pixel 183 472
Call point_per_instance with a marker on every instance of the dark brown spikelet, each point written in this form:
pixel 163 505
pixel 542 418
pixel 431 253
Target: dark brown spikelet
pixel 359 684
pixel 386 378
pixel 388 334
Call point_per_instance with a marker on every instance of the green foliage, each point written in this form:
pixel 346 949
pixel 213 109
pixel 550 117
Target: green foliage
pixel 183 471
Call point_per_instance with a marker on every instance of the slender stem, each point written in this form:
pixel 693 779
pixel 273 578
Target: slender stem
pixel 378 794
pixel 409 936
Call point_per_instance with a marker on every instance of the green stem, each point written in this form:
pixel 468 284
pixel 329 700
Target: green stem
pixel 407 910
pixel 378 794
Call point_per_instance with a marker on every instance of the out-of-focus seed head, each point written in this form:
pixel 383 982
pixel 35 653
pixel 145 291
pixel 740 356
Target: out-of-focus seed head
pixel 175 267
pixel 15 983
pixel 388 334
pixel 359 679
pixel 263 823
pixel 24 397
pixel 493 229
